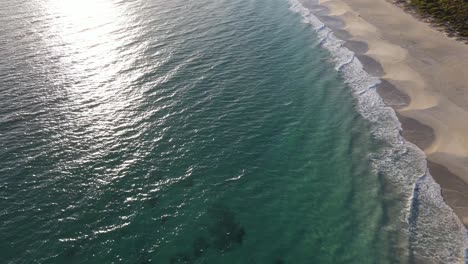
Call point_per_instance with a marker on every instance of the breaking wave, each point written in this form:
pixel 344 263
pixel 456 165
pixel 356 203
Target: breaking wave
pixel 428 229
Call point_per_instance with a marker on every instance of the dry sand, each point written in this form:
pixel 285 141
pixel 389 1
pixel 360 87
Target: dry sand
pixel 425 77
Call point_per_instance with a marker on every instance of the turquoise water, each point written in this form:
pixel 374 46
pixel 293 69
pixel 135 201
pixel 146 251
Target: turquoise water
pixel 183 132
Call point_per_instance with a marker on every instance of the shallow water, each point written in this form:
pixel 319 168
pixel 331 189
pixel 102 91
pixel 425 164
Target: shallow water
pixel 185 132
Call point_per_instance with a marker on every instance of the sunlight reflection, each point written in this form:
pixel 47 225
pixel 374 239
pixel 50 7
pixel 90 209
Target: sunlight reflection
pixel 90 39
pixel 85 29
pixel 90 44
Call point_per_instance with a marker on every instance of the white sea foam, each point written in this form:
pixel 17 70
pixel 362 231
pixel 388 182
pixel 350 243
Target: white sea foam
pixel 431 228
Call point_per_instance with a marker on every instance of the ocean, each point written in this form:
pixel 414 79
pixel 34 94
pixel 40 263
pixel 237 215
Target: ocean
pixel 207 131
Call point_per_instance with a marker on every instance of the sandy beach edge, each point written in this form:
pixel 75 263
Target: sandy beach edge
pixel 424 78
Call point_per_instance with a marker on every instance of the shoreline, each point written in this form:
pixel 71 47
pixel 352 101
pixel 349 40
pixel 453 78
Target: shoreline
pixel 424 78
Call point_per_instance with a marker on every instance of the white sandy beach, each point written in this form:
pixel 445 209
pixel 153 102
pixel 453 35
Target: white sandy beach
pixel 431 68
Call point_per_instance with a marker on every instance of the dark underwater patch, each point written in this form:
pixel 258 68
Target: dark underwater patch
pixel 226 231
pixel 200 246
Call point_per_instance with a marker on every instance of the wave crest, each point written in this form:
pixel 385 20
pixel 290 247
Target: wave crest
pixel 430 230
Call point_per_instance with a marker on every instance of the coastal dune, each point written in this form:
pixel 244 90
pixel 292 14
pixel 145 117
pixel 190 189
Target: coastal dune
pixel 429 68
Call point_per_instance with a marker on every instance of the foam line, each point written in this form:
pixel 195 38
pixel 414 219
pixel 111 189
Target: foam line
pixel 430 227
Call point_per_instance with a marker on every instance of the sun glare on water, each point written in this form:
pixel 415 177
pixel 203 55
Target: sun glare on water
pixel 89 42
pixel 84 24
pixel 83 12
pixel 87 36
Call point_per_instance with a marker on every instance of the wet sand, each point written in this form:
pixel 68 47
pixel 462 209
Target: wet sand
pixel 453 190
pixel 425 79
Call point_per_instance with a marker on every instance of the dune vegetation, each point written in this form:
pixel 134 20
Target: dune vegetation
pixel 452 14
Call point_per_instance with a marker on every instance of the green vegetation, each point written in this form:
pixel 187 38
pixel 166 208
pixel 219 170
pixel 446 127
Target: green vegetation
pixel 451 13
